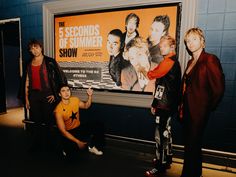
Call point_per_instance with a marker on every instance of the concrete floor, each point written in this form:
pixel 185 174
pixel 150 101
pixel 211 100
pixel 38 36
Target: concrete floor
pixel 117 161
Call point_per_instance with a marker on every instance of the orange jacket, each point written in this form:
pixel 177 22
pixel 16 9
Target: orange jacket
pixel 163 68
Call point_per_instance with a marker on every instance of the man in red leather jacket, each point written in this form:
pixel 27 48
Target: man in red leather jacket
pixel 202 89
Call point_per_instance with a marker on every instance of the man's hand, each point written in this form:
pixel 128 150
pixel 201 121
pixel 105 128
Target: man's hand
pixel 27 104
pixel 81 144
pixel 141 68
pixel 143 81
pixel 51 98
pixel 90 91
pixel 153 110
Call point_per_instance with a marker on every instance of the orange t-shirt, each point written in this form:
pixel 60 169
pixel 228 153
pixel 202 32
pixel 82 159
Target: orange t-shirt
pixel 69 112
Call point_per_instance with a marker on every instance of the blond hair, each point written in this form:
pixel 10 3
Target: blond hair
pixel 195 31
pixel 170 39
pixel 140 43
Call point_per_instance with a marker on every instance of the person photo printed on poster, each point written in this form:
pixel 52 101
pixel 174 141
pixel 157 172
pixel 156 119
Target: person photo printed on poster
pixel 112 50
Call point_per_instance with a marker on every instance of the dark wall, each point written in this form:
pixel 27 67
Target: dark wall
pixel 123 121
pixel 215 17
pixel 138 123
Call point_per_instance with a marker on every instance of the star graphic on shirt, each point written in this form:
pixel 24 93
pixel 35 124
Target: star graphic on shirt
pixel 73 116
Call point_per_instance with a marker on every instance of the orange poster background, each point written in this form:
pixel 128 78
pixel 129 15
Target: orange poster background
pixel 109 21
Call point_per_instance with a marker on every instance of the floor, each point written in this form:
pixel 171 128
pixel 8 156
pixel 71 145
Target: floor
pixel 117 161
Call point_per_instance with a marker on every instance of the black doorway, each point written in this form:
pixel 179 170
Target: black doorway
pixel 10 55
pixel 2 77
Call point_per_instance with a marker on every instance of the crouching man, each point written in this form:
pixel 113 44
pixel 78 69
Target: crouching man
pixel 76 134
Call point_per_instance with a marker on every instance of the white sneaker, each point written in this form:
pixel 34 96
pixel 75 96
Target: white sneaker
pixel 63 153
pixel 95 151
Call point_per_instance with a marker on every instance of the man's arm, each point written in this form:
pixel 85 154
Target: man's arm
pixel 216 80
pixel 27 105
pixel 162 69
pixel 65 133
pixel 86 105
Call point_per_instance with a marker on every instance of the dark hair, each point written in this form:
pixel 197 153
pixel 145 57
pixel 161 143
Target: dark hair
pixel 34 42
pixel 165 20
pixel 118 33
pixel 132 15
pixel 61 86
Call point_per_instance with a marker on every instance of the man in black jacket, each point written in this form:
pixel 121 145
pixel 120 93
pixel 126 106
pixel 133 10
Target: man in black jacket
pixel 159 27
pixel 115 50
pixel 165 103
pixel 131 28
pixel 43 79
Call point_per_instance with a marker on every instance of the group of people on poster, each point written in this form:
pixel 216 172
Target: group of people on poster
pixel 132 56
pixel 135 64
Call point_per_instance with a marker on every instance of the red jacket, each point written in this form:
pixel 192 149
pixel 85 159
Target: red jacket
pixel 204 88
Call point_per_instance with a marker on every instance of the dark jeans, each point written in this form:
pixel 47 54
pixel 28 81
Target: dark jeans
pixel 163 139
pixel 193 134
pixel 91 132
pixel 41 112
pixel 192 150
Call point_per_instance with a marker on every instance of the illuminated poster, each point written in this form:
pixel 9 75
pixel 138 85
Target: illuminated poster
pixel 91 47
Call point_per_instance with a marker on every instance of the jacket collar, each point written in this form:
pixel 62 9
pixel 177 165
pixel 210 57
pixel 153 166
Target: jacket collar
pixel 201 57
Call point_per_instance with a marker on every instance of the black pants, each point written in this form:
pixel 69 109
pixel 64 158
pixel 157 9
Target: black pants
pixel 163 139
pixel 91 132
pixel 41 113
pixel 193 135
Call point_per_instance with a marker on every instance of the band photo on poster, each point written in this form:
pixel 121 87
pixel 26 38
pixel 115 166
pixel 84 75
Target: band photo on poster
pixel 114 49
